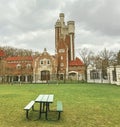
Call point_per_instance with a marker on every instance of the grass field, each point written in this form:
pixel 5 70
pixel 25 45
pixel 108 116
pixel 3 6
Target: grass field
pixel 84 105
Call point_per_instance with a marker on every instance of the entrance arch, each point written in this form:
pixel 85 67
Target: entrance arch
pixel 73 75
pixel 45 75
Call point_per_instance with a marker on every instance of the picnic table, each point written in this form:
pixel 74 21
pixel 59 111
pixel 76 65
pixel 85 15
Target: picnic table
pixel 44 100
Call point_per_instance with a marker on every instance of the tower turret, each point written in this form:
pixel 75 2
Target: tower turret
pixel 62 19
pixel 57 33
pixel 71 30
pixel 71 26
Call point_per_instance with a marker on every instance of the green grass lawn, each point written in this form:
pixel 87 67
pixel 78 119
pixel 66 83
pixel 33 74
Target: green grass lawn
pixel 84 105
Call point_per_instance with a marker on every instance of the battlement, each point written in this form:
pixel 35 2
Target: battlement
pixel 58 23
pixel 61 15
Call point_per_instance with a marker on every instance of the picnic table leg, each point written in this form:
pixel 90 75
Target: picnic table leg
pixel 43 107
pixel 58 115
pixel 40 110
pixel 47 109
pixel 27 114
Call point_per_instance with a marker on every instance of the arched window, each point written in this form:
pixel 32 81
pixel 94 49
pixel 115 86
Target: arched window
pixel 61 57
pixel 45 75
pixel 28 66
pixel 18 66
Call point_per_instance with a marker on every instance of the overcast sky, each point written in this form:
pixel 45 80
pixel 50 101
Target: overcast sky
pixel 29 24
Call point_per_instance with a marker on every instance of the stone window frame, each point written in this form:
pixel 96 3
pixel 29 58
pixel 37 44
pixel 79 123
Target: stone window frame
pixel 28 66
pixel 41 62
pixel 61 57
pixel 18 66
pixel 62 64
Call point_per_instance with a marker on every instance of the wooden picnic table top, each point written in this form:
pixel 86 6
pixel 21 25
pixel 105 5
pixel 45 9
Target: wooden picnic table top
pixel 45 98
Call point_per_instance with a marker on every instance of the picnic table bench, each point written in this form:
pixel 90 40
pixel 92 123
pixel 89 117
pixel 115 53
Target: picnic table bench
pixel 28 107
pixel 59 108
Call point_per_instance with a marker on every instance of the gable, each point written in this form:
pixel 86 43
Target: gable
pixel 76 62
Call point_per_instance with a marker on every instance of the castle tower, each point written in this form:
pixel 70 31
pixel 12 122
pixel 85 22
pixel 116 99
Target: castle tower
pixel 64 32
pixel 64 43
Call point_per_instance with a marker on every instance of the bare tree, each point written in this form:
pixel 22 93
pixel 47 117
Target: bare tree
pixel 107 55
pixel 118 58
pixel 87 56
pixel 107 58
pixel 11 51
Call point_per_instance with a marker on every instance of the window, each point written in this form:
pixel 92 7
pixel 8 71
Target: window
pixel 94 74
pixel 62 64
pixel 61 50
pixel 48 61
pixel 18 66
pixel 61 57
pixel 44 62
pixel 61 76
pixel 28 66
pixel 41 62
pixel 114 75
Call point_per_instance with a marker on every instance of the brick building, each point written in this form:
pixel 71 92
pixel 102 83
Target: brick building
pixel 2 54
pixel 2 65
pixel 63 65
pixel 68 66
pixel 19 69
pixel 45 67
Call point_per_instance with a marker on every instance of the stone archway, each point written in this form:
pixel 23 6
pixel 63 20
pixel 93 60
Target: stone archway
pixel 73 75
pixel 45 75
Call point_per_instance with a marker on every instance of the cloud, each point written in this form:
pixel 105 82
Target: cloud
pixel 102 16
pixel 30 23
